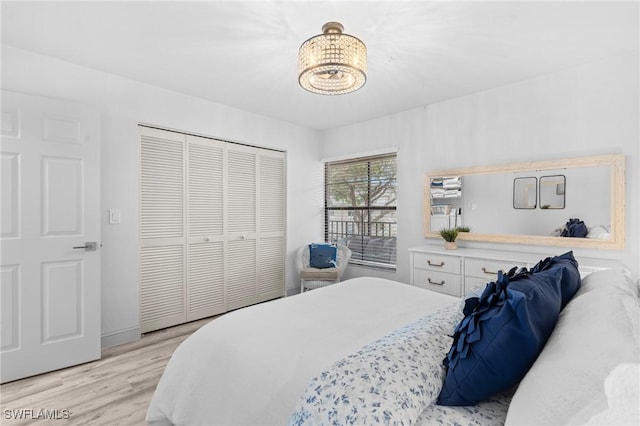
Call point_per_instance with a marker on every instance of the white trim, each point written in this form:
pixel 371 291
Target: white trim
pixel 120 337
pixel 382 151
pixel 201 135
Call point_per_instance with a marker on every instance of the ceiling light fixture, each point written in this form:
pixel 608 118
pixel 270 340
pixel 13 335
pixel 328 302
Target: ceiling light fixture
pixel 332 63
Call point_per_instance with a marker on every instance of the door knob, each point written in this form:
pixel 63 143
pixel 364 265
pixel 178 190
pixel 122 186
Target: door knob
pixel 88 246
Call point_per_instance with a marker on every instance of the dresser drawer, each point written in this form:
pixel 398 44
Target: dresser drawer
pixel 437 262
pixel 488 269
pixel 438 281
pixel 471 283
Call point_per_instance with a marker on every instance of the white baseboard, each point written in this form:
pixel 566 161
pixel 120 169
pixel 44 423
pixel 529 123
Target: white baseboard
pixel 292 291
pixel 120 337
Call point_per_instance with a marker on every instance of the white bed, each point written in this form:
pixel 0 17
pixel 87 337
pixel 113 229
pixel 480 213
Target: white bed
pixel 253 366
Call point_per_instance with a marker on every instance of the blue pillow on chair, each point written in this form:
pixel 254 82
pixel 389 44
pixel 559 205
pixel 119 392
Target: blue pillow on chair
pixel 497 342
pixel 322 256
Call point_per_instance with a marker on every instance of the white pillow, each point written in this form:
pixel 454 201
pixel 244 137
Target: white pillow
pixel 608 280
pixel 597 331
pixel 599 232
pixel 622 387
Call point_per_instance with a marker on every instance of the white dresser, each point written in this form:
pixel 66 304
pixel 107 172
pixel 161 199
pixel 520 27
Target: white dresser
pixel 457 272
pixel 436 271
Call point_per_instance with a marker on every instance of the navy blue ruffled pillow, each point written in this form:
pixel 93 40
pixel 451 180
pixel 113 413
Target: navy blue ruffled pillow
pixel 565 268
pixel 322 256
pixel 497 342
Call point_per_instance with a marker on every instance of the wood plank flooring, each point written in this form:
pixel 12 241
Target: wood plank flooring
pixel 115 390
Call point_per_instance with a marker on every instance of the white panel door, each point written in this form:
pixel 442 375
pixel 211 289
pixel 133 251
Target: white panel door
pixel 50 283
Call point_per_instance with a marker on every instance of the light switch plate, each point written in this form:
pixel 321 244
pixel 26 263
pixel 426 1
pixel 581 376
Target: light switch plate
pixel 114 216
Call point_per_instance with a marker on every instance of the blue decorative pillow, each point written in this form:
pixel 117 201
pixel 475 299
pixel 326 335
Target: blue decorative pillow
pixel 567 267
pixel 497 342
pixel 575 228
pixel 322 256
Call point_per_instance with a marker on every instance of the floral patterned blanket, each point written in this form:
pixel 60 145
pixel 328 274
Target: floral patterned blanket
pixel 390 381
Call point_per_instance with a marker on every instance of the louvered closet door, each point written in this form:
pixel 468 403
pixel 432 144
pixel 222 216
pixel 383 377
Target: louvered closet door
pixel 271 225
pixel 205 258
pixel 211 227
pixel 241 226
pixel 162 229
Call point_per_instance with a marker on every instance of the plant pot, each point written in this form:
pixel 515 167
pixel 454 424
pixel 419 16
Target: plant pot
pixel 450 245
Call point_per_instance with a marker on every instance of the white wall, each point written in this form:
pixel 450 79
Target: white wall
pixel 588 110
pixel 122 105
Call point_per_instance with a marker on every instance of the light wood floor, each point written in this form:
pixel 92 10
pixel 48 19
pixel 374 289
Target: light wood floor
pixel 115 390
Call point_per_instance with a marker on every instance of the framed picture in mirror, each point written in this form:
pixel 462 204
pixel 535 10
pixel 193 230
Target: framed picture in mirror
pixel 552 192
pixel 525 192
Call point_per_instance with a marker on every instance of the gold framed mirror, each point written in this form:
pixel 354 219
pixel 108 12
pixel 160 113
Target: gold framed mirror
pixel 591 189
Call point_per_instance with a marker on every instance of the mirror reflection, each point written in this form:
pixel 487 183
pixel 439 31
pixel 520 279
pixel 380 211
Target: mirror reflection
pixel 486 202
pixel 532 202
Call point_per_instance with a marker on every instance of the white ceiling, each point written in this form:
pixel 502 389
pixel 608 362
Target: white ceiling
pixel 243 54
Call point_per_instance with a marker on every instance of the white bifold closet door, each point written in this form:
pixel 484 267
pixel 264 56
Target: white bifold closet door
pixel 212 227
pixel 205 218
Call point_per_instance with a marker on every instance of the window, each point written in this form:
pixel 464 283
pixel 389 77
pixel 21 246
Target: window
pixel 360 208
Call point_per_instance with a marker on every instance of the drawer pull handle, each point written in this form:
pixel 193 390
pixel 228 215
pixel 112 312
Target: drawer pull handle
pixel 486 271
pixel 435 283
pixel 440 265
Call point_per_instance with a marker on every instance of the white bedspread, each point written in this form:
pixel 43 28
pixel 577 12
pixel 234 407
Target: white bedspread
pixel 390 381
pixel 252 365
pixel 396 381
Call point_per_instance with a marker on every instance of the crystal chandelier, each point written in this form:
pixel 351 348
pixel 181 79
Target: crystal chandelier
pixel 332 63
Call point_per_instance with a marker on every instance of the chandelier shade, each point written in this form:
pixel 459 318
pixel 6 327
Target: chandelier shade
pixel 332 63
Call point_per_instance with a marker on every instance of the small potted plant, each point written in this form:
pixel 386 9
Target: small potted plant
pixel 449 235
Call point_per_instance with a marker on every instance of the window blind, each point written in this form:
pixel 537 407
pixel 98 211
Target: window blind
pixel 360 208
